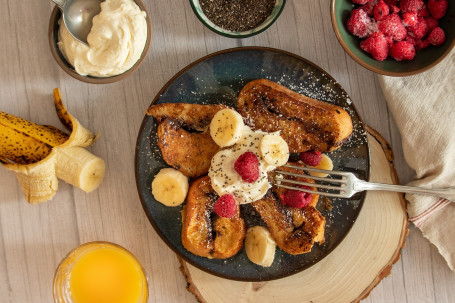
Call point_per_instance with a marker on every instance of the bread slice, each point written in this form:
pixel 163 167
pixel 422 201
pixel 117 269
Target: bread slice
pixel 289 236
pixel 204 233
pixel 184 136
pixel 304 123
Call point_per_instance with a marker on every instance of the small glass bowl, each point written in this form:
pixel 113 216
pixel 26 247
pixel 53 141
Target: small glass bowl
pixel 279 6
pixel 61 291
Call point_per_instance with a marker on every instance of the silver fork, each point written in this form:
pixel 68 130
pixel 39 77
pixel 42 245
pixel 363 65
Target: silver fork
pixel 349 184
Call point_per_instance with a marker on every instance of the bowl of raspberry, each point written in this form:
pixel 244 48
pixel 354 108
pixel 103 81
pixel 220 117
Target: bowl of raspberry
pixel 395 37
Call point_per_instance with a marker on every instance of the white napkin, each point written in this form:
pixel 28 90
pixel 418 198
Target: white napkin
pixel 424 110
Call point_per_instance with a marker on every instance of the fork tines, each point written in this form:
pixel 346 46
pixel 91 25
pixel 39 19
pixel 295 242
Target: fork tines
pixel 334 186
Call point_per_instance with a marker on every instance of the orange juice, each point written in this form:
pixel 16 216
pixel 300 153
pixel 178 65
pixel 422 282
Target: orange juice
pixel 100 272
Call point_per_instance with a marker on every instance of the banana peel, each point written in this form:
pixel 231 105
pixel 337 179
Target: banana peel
pixel 62 158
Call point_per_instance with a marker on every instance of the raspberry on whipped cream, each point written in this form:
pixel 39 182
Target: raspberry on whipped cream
pixel 226 180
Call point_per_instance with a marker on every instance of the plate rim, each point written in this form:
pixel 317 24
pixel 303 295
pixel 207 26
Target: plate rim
pixel 146 117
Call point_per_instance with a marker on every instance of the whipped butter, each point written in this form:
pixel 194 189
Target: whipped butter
pixel 224 178
pixel 115 42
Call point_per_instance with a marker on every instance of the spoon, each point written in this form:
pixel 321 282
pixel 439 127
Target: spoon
pixel 78 16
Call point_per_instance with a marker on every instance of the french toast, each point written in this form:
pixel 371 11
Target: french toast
pixel 184 137
pixel 204 233
pixel 304 123
pixel 294 230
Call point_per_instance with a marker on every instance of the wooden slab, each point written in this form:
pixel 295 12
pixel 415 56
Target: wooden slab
pixel 350 272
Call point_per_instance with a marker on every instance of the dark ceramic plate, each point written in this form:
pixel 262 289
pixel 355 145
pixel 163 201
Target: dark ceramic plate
pixel 218 78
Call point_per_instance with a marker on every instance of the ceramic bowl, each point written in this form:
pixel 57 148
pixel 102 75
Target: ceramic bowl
pixel 279 6
pixel 424 59
pixel 69 69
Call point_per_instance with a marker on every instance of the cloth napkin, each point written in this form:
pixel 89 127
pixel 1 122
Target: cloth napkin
pixel 423 107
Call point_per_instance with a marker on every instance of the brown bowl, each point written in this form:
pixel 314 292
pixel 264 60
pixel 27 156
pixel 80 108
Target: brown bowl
pixel 69 69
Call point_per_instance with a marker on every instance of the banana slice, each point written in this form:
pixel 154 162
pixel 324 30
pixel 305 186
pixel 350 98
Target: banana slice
pixel 226 127
pixel 260 246
pixel 274 150
pixel 170 187
pixel 326 163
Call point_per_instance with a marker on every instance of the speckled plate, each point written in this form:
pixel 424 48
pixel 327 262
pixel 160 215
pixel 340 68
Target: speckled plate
pixel 218 78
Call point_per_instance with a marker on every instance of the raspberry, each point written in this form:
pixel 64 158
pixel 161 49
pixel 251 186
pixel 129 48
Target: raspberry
pixel 437 36
pixel 361 2
pixel 247 166
pixel 438 8
pixel 311 158
pixel 410 5
pixel 225 206
pixel 368 8
pixel 359 24
pixel 422 44
pixel 376 45
pixel 392 26
pixel 391 2
pixel 381 10
pixel 395 9
pixel 296 198
pixel 410 19
pixel 424 12
pixel 411 40
pixel 403 50
pixel 420 29
pixel 389 41
pixel 431 22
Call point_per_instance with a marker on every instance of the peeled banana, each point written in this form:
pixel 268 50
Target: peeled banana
pixel 226 127
pixel 40 154
pixel 274 150
pixel 260 246
pixel 170 187
pixel 325 163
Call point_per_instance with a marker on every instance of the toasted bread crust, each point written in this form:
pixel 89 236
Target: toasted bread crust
pixel 290 238
pixel 194 116
pixel 190 153
pixel 219 239
pixel 303 122
pixel 184 136
pixel 294 230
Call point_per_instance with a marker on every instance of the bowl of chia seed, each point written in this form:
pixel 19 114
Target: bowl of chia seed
pixel 237 18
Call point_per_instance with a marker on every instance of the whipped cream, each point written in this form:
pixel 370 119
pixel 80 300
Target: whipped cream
pixel 116 40
pixel 224 178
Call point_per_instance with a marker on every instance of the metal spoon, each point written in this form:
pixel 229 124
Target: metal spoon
pixel 78 16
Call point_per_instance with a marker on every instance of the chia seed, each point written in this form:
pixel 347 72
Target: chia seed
pixel 237 15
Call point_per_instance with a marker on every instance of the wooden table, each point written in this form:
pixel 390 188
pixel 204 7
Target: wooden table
pixel 34 238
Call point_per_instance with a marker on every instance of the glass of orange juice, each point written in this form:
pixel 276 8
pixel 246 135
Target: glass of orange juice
pixel 100 272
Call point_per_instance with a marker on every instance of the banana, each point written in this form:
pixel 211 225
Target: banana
pixel 39 155
pixel 36 141
pixel 77 166
pixel 274 150
pixel 260 246
pixel 226 127
pixel 170 187
pixel 325 163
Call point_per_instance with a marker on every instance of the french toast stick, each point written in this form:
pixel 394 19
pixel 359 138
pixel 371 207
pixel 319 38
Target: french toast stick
pixel 295 230
pixel 279 218
pixel 204 233
pixel 184 136
pixel 304 123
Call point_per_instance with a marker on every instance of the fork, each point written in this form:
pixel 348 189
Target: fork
pixel 349 184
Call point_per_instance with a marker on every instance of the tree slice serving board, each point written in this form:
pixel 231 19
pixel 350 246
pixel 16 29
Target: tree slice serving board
pixel 350 272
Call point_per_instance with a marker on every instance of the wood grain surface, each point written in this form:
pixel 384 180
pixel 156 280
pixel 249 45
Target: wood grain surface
pixel 34 238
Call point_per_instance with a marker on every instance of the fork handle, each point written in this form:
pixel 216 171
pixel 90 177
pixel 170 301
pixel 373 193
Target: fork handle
pixel 446 193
